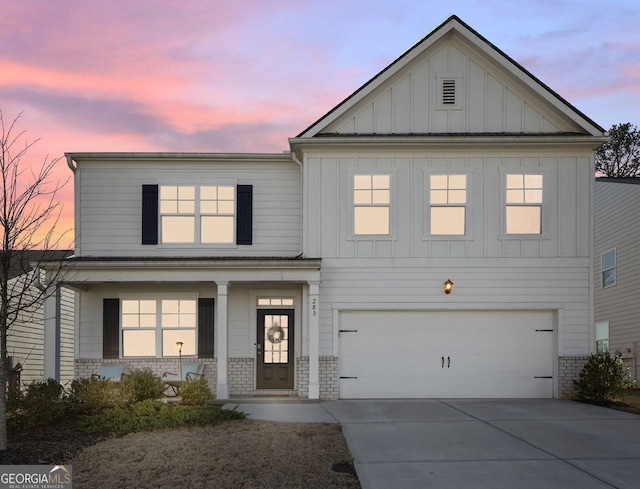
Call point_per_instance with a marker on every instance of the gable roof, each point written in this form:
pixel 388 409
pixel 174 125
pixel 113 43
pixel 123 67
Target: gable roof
pixel 21 261
pixel 580 123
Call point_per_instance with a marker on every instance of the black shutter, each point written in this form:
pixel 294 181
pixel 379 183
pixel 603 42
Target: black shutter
pixel 244 219
pixel 205 328
pixel 149 214
pixel 111 328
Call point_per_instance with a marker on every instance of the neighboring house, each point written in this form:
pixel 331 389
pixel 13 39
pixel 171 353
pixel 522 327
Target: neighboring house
pixel 321 272
pixel 616 269
pixel 26 336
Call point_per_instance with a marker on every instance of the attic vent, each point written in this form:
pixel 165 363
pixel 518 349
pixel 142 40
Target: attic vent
pixel 449 92
pixel 450 89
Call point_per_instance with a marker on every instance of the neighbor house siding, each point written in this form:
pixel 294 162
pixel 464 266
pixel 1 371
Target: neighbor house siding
pixel 110 221
pixel 617 225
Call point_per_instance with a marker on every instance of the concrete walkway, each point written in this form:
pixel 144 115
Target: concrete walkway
pixel 458 444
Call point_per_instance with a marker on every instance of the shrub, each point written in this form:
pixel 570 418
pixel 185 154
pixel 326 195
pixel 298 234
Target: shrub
pixel 93 395
pixel 196 392
pixel 603 379
pixel 40 403
pixel 143 384
pixel 154 415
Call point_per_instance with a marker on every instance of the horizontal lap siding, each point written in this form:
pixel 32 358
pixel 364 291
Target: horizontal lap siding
pixel 617 225
pixel 387 285
pixel 111 196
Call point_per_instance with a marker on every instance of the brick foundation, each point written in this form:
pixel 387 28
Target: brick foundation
pixel 328 377
pixel 568 370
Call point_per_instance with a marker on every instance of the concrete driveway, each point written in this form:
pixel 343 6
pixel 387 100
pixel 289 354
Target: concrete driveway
pixel 458 444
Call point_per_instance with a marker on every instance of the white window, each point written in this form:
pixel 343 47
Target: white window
pixel 602 337
pixel 152 327
pixel 447 202
pixel 275 301
pixel 608 260
pixel 524 203
pixel 371 204
pixel 194 214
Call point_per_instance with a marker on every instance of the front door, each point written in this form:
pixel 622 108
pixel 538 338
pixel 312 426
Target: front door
pixel 275 349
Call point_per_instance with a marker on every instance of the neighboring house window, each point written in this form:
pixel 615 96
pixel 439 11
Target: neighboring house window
pixel 602 337
pixel 152 327
pixel 191 214
pixel 524 203
pixel 447 201
pixel 371 204
pixel 608 259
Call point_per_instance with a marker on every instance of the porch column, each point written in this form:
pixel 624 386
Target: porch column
pixel 222 341
pixel 51 336
pixel 314 340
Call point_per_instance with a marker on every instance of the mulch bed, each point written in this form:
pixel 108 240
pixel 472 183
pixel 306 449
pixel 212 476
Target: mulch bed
pixel 50 444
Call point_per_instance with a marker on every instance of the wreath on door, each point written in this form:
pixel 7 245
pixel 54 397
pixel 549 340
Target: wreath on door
pixel 275 334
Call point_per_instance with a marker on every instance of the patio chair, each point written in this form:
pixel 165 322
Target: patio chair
pixel 173 381
pixel 112 372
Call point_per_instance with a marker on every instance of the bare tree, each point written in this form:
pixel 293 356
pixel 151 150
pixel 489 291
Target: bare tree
pixel 29 213
pixel 620 156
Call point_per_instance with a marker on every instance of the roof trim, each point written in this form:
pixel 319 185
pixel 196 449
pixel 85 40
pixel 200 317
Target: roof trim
pixel 179 156
pixel 452 23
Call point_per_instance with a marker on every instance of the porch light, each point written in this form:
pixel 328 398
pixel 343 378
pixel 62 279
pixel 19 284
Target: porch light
pixel 448 285
pixel 179 346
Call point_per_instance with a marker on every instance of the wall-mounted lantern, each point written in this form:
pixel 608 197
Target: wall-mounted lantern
pixel 448 285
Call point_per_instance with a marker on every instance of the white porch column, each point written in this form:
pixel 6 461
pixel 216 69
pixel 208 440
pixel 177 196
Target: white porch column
pixel 51 336
pixel 222 341
pixel 314 340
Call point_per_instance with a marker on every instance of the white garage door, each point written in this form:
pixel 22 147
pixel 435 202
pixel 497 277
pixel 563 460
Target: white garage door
pixel 438 354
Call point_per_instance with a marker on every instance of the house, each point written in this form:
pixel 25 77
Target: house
pixel 26 335
pixel 321 272
pixel 616 269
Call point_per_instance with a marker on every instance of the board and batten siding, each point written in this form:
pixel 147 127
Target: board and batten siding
pixel 617 225
pixel 110 205
pixel 566 212
pixel 489 100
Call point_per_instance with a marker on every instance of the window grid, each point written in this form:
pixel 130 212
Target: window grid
pixel 608 262
pixel 372 202
pixel 151 327
pixel 211 221
pixel 524 198
pixel 447 199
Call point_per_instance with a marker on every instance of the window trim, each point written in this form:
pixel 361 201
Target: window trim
pixel 614 268
pixel 468 224
pixel 197 215
pixel 391 173
pixel 544 205
pixel 158 298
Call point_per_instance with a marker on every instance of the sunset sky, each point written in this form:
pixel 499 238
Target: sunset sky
pixel 244 75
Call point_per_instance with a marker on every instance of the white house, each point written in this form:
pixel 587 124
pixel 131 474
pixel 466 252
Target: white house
pixel 617 269
pixel 321 272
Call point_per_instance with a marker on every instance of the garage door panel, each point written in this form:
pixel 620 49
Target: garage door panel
pixel 394 354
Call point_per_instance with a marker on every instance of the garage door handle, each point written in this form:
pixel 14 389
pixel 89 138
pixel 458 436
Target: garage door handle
pixel 442 362
pixel 448 362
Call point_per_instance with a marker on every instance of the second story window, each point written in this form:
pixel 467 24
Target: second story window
pixel 448 204
pixel 524 203
pixel 192 214
pixel 608 260
pixel 371 204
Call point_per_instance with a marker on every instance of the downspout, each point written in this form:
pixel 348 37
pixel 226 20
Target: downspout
pixel 71 165
pixel 304 196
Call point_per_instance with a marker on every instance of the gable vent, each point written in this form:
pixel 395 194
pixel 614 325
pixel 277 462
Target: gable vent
pixel 449 92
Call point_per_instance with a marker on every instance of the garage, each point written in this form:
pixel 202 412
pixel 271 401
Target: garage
pixel 446 354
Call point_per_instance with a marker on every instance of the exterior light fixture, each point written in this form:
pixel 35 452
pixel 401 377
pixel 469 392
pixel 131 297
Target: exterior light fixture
pixel 448 285
pixel 179 347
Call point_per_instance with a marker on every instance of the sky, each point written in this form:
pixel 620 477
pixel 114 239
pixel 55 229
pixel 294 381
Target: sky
pixel 245 75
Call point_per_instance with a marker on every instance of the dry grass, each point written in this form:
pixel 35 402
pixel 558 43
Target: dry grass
pixel 234 454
